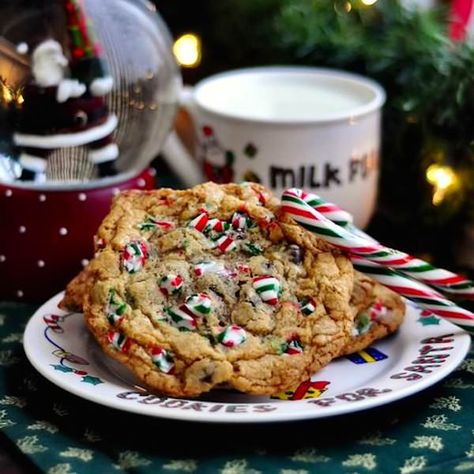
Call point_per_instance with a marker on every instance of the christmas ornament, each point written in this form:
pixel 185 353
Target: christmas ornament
pixel 88 88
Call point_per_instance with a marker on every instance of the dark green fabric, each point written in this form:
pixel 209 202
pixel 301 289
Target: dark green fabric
pixel 61 434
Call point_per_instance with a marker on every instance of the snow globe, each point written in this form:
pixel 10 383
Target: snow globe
pixel 88 95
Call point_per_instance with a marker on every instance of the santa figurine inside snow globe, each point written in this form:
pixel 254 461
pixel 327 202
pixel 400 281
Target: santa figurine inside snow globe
pixel 64 106
pixel 88 94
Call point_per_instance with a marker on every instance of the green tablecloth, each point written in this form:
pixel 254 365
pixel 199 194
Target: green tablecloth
pixel 61 434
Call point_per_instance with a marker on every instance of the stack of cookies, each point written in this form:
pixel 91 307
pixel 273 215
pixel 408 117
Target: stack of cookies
pixel 214 286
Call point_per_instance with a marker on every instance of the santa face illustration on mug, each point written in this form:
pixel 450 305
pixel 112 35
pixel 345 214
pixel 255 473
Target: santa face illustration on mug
pixel 217 162
pixel 64 104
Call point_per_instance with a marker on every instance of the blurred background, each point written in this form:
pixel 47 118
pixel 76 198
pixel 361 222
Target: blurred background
pixel 421 52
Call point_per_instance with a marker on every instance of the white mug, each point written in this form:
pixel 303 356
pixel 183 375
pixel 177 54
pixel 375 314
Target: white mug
pixel 305 127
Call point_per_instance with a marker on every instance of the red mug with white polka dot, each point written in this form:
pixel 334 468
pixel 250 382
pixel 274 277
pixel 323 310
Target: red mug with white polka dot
pixel 47 233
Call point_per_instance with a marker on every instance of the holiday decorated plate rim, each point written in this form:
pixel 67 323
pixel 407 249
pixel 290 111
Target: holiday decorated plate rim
pixel 423 351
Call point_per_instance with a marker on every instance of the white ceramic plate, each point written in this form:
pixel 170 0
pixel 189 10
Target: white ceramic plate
pixel 422 352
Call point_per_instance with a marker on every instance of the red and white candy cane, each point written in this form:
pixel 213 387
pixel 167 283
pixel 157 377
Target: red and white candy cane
pixel 416 291
pixel 334 213
pixel 350 238
pixel 294 204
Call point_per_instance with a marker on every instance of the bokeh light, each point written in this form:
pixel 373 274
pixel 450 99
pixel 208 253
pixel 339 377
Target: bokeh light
pixel 443 178
pixel 187 50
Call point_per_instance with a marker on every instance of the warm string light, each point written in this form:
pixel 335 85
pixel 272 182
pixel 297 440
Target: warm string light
pixel 345 6
pixel 443 179
pixel 187 50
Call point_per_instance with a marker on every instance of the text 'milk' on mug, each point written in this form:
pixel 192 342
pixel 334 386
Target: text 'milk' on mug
pixel 311 128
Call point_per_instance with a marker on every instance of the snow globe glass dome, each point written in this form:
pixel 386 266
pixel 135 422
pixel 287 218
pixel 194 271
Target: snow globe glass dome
pixel 88 88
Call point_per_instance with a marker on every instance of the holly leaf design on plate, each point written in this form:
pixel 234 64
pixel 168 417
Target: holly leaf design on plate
pixel 429 320
pixel 61 368
pixel 92 380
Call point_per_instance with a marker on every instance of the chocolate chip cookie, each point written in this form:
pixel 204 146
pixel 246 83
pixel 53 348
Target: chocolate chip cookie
pixel 211 285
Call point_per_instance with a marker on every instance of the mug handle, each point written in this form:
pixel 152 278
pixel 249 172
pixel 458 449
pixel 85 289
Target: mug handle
pixel 176 154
